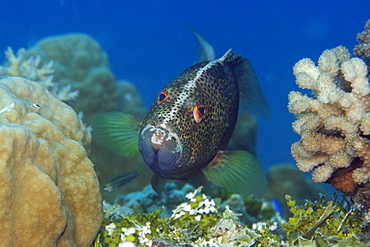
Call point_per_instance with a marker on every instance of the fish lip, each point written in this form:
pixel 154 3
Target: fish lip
pixel 163 128
pixel 172 135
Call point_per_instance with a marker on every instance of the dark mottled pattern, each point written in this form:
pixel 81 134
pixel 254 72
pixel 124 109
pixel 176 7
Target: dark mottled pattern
pixel 217 90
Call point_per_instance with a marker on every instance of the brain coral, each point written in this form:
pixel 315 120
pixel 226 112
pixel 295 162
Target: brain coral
pixel 49 192
pixel 80 62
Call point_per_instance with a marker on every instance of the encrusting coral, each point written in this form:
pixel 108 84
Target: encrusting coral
pixel 49 190
pixel 334 124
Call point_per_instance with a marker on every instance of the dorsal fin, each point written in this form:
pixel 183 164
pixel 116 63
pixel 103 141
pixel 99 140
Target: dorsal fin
pixel 251 96
pixel 205 49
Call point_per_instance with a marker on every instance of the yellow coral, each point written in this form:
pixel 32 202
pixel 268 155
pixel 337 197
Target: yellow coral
pixel 49 190
pixel 335 122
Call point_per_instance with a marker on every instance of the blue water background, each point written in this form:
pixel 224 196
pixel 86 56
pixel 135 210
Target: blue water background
pixel 148 44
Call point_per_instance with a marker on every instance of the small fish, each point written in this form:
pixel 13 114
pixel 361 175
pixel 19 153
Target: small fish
pixel 277 206
pixel 122 180
pixel 189 124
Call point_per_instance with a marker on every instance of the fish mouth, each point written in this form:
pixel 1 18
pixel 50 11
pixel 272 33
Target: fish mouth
pixel 160 150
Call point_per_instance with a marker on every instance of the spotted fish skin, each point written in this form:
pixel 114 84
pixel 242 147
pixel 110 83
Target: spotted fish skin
pixel 172 142
pixel 188 127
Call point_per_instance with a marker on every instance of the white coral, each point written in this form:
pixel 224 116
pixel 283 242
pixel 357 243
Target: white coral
pixel 32 69
pixel 334 123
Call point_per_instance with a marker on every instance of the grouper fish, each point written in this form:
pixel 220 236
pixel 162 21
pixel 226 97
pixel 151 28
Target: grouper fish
pixel 186 131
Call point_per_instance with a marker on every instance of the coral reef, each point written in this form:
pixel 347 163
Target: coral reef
pixel 195 222
pixel 79 61
pixel 286 179
pixel 131 101
pixel 334 124
pixel 32 69
pixel 109 164
pixel 363 48
pixel 49 190
pixel 251 209
pixel 148 200
pixel 200 221
pixel 325 223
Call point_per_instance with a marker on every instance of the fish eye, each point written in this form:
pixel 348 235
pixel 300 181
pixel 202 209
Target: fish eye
pixel 162 97
pixel 199 113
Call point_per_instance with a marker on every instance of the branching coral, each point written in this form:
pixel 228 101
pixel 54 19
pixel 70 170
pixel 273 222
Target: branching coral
pixel 363 48
pixel 334 123
pixel 31 68
pixel 49 190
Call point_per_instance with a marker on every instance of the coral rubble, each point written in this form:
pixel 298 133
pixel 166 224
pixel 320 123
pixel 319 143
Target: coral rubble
pixel 49 190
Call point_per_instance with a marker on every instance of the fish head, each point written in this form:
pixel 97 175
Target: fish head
pixel 173 128
pixel 191 119
pixel 165 139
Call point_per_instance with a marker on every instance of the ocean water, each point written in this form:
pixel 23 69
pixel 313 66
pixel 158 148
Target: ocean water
pixel 148 44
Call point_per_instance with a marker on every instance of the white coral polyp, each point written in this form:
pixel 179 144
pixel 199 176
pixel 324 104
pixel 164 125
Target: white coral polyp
pixel 355 71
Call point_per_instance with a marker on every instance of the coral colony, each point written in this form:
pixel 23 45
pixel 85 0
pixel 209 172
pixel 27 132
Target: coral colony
pixel 44 165
pixel 31 68
pixel 49 189
pixel 334 123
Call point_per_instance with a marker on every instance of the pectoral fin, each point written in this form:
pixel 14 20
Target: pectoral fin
pixel 118 132
pixel 158 183
pixel 238 172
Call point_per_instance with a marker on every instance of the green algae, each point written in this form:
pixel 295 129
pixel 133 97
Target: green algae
pixel 326 223
pixel 200 222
